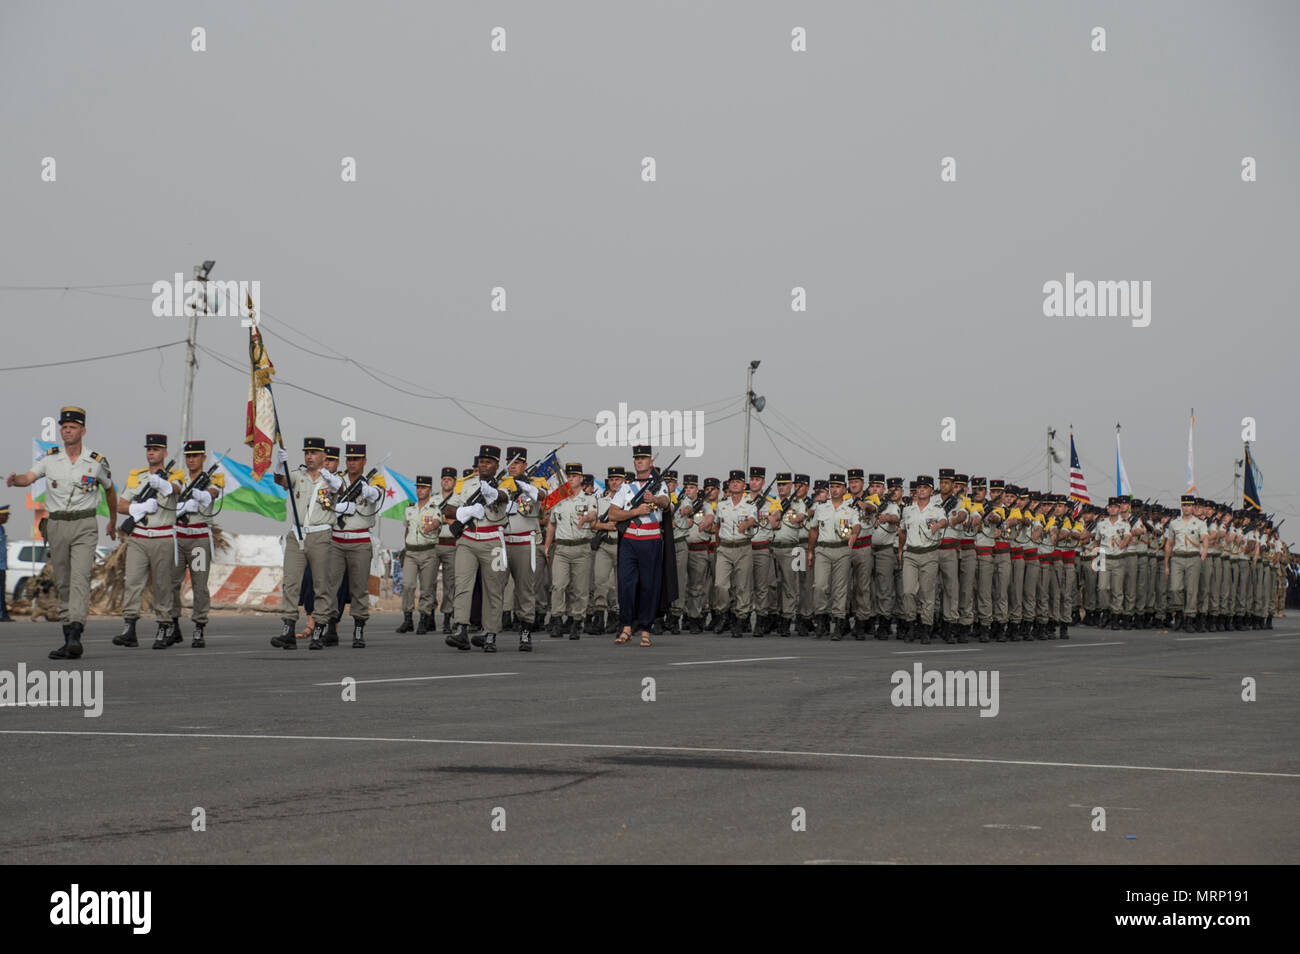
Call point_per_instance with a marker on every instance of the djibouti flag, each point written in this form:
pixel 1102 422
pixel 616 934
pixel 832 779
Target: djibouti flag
pixel 399 490
pixel 243 492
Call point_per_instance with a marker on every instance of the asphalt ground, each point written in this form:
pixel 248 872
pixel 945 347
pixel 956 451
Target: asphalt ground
pixel 745 737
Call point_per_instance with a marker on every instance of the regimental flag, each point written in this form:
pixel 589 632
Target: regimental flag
pixel 1078 488
pixel 399 493
pixel 36 493
pixel 1191 473
pixel 243 491
pixel 1122 486
pixel 261 428
pixel 549 470
pixel 1250 492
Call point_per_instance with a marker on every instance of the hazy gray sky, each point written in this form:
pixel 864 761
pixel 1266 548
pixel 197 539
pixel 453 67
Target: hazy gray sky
pixel 774 169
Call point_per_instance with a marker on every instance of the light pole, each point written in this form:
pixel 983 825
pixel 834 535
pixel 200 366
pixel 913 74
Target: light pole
pixel 754 401
pixel 201 273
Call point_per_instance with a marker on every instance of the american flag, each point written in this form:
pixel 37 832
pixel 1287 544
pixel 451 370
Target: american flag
pixel 1078 489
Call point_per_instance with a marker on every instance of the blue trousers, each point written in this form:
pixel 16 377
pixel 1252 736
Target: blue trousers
pixel 640 568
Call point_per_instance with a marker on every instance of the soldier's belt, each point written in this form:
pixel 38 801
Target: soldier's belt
pixel 761 546
pixel 418 547
pixel 1184 553
pixel 1001 545
pixel 697 547
pixel 923 549
pixel 967 544
pixel 733 543
pixel 883 546
pixel 832 545
pixel 71 514
pixel 949 544
pixel 450 542
pixel 573 543
pixel 983 551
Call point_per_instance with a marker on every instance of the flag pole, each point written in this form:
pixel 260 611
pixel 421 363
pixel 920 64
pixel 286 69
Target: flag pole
pixel 288 484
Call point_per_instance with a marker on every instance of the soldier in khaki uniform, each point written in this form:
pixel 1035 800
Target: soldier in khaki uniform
pixel 832 531
pixel 699 538
pixel 676 611
pixel 480 551
pixel 983 532
pixel 151 549
pixel 351 547
pixel 788 541
pixel 74 475
pixel 1185 549
pixel 804 619
pixel 568 549
pixel 604 589
pixel 924 524
pixel 422 522
pixel 523 527
pixel 737 517
pixel 884 557
pixel 760 545
pixel 309 491
pixel 948 560
pixel 862 602
pixel 194 540
pixel 445 552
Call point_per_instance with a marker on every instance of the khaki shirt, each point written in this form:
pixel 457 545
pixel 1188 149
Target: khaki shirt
pixel 786 535
pixel 136 483
pixel 567 512
pixel 885 534
pixel 306 495
pixel 695 534
pixel 69 486
pixel 764 533
pixel 415 520
pixel 494 516
pixel 826 520
pixel 1109 534
pixel 1187 534
pixel 730 516
pixel 916 523
pixel 517 522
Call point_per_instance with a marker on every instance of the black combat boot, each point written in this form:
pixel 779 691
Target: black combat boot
pixel 1269 623
pixel 613 622
pixel 657 627
pixel 575 628
pixel 963 633
pixel 358 634
pixel 175 635
pixel 408 624
pixel 838 627
pixel 923 630
pixel 317 637
pixel 1065 631
pixel 507 621
pixel 526 641
pixel 982 633
pixel 721 623
pixel 738 625
pixel 558 629
pixel 164 637
pixel 426 623
pixel 697 625
pixel 198 641
pixel 65 651
pixel 127 636
pixel 446 624
pixel 460 638
pixel 802 626
pixel 539 623
pixel 1051 629
pixel 288 639
pixel 332 633
pixel 945 632
pixel 489 642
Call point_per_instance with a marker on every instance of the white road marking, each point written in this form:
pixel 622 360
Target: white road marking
pixel 467 675
pixel 1016 827
pixel 611 746
pixel 227 652
pixel 1077 645
pixel 1189 639
pixel 715 662
pixel 917 652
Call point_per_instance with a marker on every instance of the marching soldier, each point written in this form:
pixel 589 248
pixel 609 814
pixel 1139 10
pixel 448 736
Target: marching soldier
pixel 193 537
pixel 1113 537
pixel 522 526
pixel 924 523
pixel 982 525
pixel 832 531
pixel 788 538
pixel 1185 551
pixel 445 552
pixel 640 548
pixel 568 549
pixel 73 474
pixel 760 546
pixel 804 622
pixel 423 523
pixel 604 601
pixel 1002 500
pixel 1044 618
pixel 1067 538
pixel 884 557
pixel 862 603
pixel 151 549
pixel 351 548
pixel 476 551
pixel 737 518
pixel 966 530
pixel 947 560
pixel 308 488
pixel 699 546
pixel 678 608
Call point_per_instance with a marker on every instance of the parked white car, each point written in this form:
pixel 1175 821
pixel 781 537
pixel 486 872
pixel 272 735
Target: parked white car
pixel 26 560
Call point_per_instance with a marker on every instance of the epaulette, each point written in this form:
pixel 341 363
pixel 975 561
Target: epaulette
pixel 94 455
pixel 218 480
pixel 52 450
pixel 378 481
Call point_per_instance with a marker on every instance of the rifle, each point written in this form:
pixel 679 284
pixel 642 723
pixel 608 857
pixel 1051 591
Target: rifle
pixel 600 536
pixel 198 483
pixel 353 492
pixel 130 523
pixel 458 528
pixel 759 500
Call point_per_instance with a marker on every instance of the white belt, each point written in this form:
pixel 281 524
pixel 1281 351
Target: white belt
pixel 351 536
pixel 317 528
pixel 485 535
pixel 152 532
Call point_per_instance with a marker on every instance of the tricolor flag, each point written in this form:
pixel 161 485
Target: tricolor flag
pixel 36 493
pixel 549 469
pixel 399 491
pixel 1250 491
pixel 1122 486
pixel 1191 475
pixel 1078 489
pixel 261 428
pixel 243 491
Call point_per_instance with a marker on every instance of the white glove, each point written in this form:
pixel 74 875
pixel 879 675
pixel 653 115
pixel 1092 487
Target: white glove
pixel 345 508
pixel 160 484
pixel 465 514
pixel 140 510
pixel 203 497
pixel 371 493
pixel 280 456
pixel 332 481
pixel 190 506
pixel 529 489
pixel 489 492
